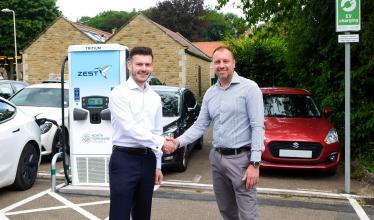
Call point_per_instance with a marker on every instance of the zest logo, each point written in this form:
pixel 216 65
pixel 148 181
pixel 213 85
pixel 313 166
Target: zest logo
pixel 102 70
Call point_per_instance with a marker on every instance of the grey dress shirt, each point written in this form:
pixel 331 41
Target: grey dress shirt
pixel 237 114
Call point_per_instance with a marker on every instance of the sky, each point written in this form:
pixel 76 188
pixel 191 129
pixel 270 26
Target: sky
pixel 75 9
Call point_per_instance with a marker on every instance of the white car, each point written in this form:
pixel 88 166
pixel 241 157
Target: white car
pixel 20 150
pixel 44 100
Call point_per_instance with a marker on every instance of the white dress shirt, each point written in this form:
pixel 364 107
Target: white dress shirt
pixel 136 116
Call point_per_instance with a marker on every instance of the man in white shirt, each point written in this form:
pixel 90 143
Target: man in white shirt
pixel 135 163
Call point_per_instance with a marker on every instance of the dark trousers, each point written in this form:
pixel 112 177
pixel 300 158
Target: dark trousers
pixel 131 183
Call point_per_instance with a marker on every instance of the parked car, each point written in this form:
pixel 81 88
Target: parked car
pixel 152 80
pixel 179 110
pixel 20 147
pixel 9 87
pixel 297 135
pixel 53 81
pixel 44 100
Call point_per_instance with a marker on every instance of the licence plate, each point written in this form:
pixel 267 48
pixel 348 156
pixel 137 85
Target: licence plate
pixel 295 153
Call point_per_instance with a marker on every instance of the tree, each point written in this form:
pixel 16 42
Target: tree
pixel 108 20
pixel 219 25
pixel 315 60
pixel 32 17
pixel 261 59
pixel 181 16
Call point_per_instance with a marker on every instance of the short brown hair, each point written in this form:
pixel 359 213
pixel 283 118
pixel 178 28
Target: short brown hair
pixel 224 47
pixel 146 51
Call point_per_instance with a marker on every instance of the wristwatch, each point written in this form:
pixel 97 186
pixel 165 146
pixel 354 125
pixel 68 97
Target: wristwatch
pixel 255 164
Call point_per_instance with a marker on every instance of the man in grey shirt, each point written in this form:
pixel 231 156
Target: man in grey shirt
pixel 235 107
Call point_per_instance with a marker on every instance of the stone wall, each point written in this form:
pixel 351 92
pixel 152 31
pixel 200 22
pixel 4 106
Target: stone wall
pixel 172 65
pixel 42 59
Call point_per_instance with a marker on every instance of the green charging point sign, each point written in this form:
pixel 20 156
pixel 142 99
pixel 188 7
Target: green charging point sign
pixel 348 15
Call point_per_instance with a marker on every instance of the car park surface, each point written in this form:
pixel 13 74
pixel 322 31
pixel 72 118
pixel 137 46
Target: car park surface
pixel 20 147
pixel 44 100
pixel 10 87
pixel 179 111
pixel 297 135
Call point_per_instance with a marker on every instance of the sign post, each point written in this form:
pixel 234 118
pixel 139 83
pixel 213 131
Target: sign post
pixel 348 18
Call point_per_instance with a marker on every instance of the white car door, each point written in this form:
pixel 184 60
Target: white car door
pixel 11 142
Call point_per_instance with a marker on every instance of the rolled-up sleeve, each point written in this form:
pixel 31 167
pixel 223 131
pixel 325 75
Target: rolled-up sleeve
pixel 255 110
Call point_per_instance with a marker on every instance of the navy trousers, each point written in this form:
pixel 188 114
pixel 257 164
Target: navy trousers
pixel 131 183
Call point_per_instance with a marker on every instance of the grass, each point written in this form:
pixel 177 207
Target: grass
pixel 367 160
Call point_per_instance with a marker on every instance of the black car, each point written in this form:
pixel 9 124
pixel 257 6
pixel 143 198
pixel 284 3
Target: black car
pixel 179 110
pixel 154 81
pixel 9 87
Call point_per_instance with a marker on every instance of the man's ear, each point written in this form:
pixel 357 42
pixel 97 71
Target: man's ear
pixel 129 63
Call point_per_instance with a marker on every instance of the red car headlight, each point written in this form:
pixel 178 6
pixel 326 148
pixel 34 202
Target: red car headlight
pixel 332 136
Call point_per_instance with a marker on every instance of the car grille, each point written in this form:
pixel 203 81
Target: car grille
pixel 275 146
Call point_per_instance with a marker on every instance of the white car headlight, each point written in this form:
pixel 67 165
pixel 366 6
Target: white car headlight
pixel 332 136
pixel 44 128
pixel 168 134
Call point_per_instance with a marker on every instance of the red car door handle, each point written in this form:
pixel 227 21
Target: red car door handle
pixel 17 130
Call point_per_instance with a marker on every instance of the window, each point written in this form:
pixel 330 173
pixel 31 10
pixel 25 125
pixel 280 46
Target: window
pixel 6 111
pixel 40 97
pixel 18 86
pixel 170 104
pixel 6 90
pixel 189 99
pixel 284 105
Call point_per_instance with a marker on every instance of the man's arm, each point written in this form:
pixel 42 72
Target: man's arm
pixel 255 110
pixel 198 128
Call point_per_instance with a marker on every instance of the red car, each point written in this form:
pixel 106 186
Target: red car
pixel 297 135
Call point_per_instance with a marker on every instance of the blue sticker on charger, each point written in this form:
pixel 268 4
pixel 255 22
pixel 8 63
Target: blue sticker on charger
pixel 77 94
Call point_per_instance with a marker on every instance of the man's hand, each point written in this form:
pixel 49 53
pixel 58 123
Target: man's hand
pixel 174 140
pixel 169 145
pixel 251 177
pixel 159 177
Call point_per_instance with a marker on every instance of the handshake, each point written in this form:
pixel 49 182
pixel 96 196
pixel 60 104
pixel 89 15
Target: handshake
pixel 170 145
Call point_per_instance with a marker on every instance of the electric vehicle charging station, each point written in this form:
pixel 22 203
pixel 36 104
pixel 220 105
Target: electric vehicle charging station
pixel 94 70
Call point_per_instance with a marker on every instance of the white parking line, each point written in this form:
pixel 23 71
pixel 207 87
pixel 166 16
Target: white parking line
pixel 197 179
pixel 4 211
pixel 37 210
pixel 22 202
pixel 187 184
pixel 3 217
pixel 56 208
pixel 77 207
pixel 358 209
pixel 73 206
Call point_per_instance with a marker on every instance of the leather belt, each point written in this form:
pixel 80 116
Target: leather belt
pixel 132 150
pixel 232 151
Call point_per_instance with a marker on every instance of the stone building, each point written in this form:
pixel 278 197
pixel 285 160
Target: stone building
pixel 42 58
pixel 177 61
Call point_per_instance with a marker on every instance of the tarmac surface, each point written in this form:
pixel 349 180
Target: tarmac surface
pixel 189 196
pixel 184 201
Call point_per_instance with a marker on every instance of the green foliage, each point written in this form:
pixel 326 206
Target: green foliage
pixel 180 16
pixel 260 59
pixel 222 25
pixel 193 21
pixel 313 59
pixel 108 20
pixel 32 17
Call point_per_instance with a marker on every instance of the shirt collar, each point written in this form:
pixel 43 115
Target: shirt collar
pixel 131 84
pixel 234 80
